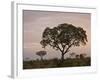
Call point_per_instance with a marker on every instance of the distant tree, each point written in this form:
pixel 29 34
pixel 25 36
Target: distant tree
pixel 72 55
pixel 82 56
pixel 63 37
pixel 77 56
pixel 41 54
pixel 27 58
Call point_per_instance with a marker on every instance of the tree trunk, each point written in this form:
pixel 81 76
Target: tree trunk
pixel 41 58
pixel 62 57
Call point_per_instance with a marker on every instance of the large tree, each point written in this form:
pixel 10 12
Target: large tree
pixel 63 37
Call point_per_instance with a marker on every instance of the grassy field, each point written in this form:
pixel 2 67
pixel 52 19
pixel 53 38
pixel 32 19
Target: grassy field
pixel 55 63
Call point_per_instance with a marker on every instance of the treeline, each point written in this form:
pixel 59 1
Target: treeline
pixel 54 63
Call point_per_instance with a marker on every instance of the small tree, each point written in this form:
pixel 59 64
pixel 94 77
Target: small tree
pixel 77 56
pixel 27 58
pixel 63 37
pixel 72 55
pixel 41 54
pixel 82 56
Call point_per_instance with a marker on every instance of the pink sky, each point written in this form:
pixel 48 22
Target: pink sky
pixel 34 23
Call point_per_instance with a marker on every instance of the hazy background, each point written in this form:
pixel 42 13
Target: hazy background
pixel 34 23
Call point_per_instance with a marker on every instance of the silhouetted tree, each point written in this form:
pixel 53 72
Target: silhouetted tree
pixel 77 56
pixel 82 56
pixel 72 55
pixel 63 37
pixel 41 54
pixel 27 58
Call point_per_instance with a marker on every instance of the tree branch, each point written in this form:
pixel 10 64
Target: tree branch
pixel 59 48
pixel 69 47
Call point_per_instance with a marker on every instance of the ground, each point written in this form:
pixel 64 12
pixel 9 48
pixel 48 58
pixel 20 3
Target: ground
pixel 55 63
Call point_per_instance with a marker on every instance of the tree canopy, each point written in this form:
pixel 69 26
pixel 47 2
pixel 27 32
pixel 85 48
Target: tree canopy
pixel 41 54
pixel 63 37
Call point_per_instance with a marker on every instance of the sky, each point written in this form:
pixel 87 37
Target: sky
pixel 34 23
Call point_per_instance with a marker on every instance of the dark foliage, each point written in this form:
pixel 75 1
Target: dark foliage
pixel 63 37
